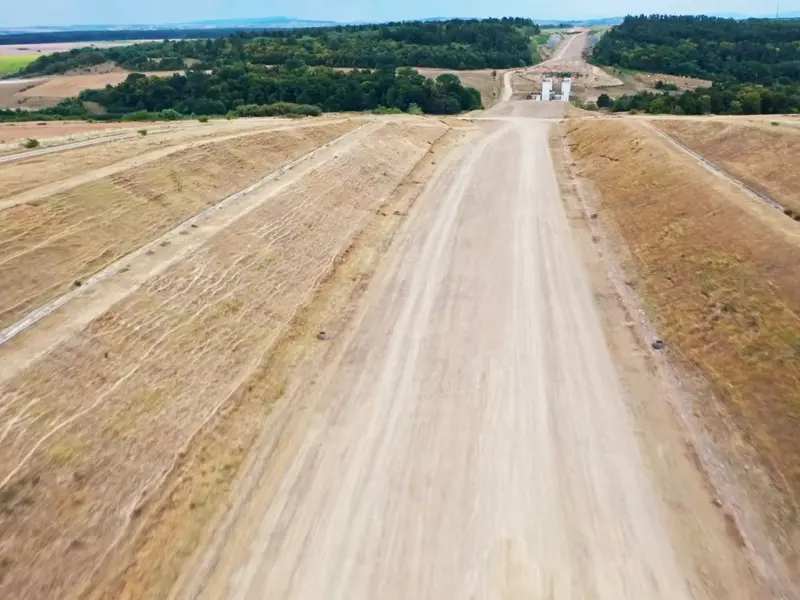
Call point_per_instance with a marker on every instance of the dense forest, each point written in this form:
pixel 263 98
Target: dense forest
pixel 454 44
pixel 754 64
pixel 228 88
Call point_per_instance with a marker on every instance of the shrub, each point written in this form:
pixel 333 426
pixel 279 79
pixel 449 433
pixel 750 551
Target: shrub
pixel 414 109
pixel 277 109
pixel 31 143
pixel 667 87
pixel 203 119
pixel 382 110
pixel 142 132
pixel 604 101
pixel 171 115
pixel 774 123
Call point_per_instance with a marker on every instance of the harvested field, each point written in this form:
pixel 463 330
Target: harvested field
pixel 632 82
pixel 67 86
pixel 9 91
pixel 64 47
pixel 765 157
pixel 51 244
pixel 80 464
pixel 483 80
pixel 720 278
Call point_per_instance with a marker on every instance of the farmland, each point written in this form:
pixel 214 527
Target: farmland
pixel 761 154
pixel 718 273
pixel 14 62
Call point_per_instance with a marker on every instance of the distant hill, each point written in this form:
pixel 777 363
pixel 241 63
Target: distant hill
pixel 258 23
pixel 254 23
pixel 580 23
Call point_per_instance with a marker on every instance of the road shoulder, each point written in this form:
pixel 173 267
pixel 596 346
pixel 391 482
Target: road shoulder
pixel 702 530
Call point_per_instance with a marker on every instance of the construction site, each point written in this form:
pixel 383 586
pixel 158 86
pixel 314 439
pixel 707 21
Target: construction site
pixel 238 357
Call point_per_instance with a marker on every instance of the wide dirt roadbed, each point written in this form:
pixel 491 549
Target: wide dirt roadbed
pixel 469 437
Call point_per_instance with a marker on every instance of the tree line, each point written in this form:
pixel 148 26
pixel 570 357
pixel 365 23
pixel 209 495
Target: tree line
pixel 453 44
pixel 754 64
pixel 226 89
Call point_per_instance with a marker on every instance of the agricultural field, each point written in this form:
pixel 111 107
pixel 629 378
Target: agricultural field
pixel 487 81
pixel 631 82
pixel 37 50
pixel 11 63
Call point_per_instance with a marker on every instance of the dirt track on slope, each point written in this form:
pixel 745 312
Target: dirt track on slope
pixel 470 437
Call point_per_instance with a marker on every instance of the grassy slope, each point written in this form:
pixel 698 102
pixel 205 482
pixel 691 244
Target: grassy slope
pixel 720 276
pixel 761 155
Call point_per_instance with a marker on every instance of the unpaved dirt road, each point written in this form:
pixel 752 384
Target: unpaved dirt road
pixel 571 48
pixel 470 439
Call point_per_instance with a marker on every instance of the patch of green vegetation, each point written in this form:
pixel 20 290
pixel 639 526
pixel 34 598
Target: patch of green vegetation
pixel 754 64
pixel 15 62
pixel 540 39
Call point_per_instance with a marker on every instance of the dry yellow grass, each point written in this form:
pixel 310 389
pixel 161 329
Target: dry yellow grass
pixel 719 273
pixel 53 243
pixel 765 157
pixel 98 424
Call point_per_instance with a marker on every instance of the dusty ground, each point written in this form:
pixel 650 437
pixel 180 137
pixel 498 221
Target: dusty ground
pixel 395 338
pixel 63 47
pixel 719 275
pixel 567 57
pixel 762 155
pixel 48 91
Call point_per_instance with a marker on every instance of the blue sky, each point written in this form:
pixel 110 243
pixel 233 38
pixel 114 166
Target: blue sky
pixel 62 12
